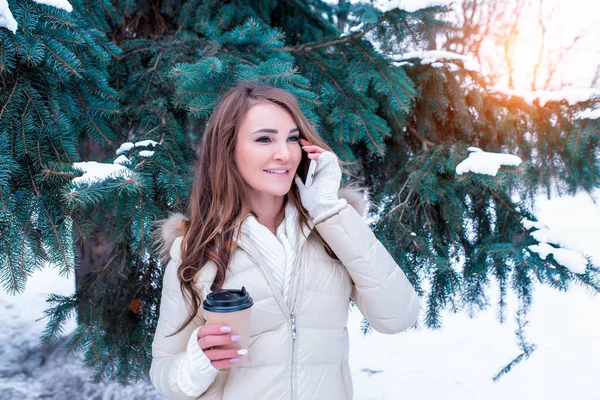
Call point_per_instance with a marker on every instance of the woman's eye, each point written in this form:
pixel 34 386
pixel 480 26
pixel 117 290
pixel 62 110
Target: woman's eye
pixel 266 139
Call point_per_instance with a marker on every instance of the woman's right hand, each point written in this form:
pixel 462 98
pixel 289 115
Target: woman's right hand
pixel 212 337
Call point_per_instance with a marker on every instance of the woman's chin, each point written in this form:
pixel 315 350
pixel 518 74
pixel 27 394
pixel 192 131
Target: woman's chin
pixel 279 191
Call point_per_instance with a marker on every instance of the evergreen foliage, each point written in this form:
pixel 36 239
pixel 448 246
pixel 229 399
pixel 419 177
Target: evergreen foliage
pixel 75 86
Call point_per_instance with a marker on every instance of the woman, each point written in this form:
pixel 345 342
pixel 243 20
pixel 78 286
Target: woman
pixel 301 252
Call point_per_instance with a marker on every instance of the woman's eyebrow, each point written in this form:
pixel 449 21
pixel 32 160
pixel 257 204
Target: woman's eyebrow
pixel 270 130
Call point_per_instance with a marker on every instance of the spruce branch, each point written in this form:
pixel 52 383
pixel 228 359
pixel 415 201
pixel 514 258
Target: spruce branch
pixel 12 92
pixel 357 112
pixel 384 75
pixel 23 125
pixel 62 61
pixel 425 143
pixel 59 243
pixel 402 205
pixel 153 69
pixel 90 118
pixel 340 40
pixel 526 348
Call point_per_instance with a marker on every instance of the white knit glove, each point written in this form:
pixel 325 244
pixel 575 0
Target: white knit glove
pixel 321 198
pixel 195 372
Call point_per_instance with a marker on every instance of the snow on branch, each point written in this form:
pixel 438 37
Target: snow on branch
pixel 406 5
pixel 482 162
pixel 146 153
pixel 434 56
pixel 7 20
pixel 98 172
pixel 589 114
pixel 62 4
pixel 95 172
pixel 409 5
pixel 571 95
pixel 572 259
pixel 121 160
pixel 125 147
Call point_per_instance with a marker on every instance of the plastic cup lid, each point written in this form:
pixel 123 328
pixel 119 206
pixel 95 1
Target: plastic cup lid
pixel 228 300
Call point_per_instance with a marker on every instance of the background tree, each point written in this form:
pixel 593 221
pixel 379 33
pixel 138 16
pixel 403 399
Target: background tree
pixel 494 31
pixel 130 85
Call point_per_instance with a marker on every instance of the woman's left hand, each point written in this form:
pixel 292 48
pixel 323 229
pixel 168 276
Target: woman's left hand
pixel 321 198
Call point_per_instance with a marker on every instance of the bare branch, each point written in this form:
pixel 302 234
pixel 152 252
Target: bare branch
pixel 536 68
pixel 596 76
pixel 553 65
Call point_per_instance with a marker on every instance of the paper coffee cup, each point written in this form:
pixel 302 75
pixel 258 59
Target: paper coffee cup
pixel 231 307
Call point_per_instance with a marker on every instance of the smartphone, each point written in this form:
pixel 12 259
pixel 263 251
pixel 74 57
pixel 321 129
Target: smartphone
pixel 306 170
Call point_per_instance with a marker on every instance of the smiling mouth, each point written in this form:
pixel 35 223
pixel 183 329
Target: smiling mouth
pixel 276 171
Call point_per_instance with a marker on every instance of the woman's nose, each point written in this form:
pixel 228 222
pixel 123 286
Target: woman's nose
pixel 282 153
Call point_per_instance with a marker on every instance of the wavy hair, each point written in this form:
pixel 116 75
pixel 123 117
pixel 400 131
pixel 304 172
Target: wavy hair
pixel 218 203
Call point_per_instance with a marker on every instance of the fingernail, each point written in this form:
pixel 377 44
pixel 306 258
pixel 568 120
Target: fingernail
pixel 234 360
pixel 225 329
pixel 236 338
pixel 242 352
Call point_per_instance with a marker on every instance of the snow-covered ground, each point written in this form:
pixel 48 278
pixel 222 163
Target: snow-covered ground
pixel 456 362
pixel 28 371
pixel 459 361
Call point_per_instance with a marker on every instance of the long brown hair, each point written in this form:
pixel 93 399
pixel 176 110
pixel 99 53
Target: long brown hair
pixel 218 202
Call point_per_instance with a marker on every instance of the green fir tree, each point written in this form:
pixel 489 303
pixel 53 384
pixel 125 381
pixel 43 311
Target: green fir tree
pixel 78 86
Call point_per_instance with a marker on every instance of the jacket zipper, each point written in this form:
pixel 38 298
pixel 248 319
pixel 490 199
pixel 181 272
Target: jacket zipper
pixel 293 329
pixel 292 367
pixel 293 318
pixel 290 314
pixel 299 284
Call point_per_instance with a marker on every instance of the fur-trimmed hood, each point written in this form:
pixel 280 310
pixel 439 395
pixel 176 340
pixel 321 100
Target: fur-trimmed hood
pixel 168 229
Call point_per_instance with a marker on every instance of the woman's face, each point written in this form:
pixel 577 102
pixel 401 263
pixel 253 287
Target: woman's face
pixel 267 150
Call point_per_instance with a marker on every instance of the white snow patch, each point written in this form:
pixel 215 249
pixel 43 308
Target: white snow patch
pixel 146 153
pixel 558 217
pixel 406 5
pixel 528 224
pixel 128 146
pixel 145 143
pixel 7 20
pixel 575 219
pixel 121 160
pixel 589 114
pixel 571 95
pixel 431 56
pixel 452 67
pixel 125 147
pixel 482 162
pixel 573 260
pixel 357 28
pixel 545 235
pixel 98 172
pixel 62 4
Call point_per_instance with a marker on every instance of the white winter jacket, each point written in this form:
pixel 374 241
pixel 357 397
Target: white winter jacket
pixel 299 343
